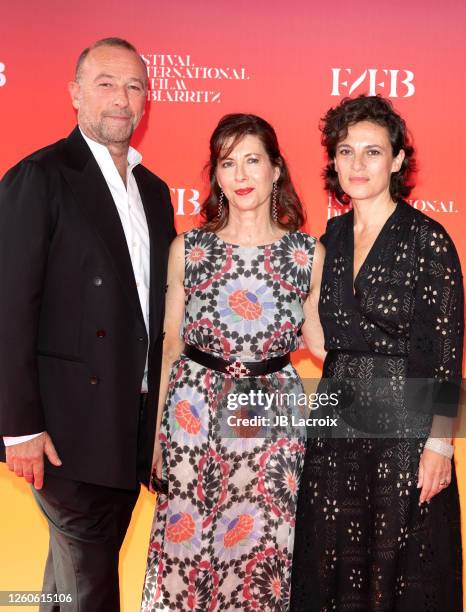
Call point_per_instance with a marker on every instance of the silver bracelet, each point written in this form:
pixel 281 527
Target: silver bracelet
pixel 440 447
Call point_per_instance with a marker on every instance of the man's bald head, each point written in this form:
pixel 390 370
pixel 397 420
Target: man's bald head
pixel 113 41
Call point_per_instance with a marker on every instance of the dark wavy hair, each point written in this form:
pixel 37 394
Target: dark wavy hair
pixel 228 133
pixel 334 128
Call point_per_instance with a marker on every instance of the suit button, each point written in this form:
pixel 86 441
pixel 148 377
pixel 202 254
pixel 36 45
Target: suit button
pixel 141 338
pixel 98 281
pixel 101 333
pixel 93 380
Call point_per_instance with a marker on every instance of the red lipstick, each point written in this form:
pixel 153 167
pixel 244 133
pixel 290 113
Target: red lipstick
pixel 242 192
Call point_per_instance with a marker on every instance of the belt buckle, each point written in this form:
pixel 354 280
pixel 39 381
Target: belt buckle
pixel 237 369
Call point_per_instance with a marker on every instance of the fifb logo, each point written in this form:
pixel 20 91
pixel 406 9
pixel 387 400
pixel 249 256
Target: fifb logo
pixel 186 196
pixel 2 74
pixel 393 82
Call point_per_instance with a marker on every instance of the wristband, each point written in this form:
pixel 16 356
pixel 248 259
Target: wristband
pixel 440 447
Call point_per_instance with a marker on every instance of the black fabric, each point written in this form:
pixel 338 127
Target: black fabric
pixel 407 299
pixel 145 451
pixel 255 368
pixel 362 541
pixel 87 525
pixel 66 277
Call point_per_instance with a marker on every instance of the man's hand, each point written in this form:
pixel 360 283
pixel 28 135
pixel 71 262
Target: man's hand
pixel 27 458
pixel 434 474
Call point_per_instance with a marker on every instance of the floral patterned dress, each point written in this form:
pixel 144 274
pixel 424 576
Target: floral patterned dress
pixel 222 539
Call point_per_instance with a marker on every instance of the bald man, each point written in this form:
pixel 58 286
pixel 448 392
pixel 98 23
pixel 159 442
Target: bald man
pixel 84 237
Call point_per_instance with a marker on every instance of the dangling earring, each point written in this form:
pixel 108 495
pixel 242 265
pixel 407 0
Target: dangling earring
pixel 274 202
pixel 220 205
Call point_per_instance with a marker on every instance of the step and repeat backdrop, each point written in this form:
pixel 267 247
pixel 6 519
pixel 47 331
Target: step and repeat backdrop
pixel 286 61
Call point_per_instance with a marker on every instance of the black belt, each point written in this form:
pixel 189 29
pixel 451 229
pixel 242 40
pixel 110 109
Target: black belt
pixel 237 368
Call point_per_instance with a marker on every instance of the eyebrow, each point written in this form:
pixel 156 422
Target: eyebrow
pixel 344 144
pixel 245 155
pixel 104 75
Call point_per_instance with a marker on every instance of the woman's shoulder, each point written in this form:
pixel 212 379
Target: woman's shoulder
pixel 191 234
pixel 197 235
pixel 335 225
pixel 430 239
pixel 301 248
pixel 339 220
pixel 300 237
pixel 429 230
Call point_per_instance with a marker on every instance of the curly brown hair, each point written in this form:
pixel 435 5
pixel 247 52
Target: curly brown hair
pixel 379 110
pixel 228 133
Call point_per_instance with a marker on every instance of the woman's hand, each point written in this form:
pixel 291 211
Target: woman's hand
pixel 157 462
pixel 434 469
pixel 172 348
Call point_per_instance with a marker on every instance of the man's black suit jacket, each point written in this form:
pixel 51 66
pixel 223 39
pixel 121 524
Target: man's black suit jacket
pixel 72 336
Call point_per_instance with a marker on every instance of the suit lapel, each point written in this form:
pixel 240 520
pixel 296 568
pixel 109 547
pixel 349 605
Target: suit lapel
pixel 150 196
pixel 93 195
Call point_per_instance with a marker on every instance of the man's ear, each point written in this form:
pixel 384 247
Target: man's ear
pixel 75 89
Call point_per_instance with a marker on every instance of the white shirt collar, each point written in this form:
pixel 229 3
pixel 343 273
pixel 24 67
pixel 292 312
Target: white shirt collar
pixel 103 157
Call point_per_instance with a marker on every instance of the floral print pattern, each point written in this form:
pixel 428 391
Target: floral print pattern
pixel 222 539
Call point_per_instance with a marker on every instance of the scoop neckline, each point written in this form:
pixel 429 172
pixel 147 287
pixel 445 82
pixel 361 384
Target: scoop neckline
pixel 254 246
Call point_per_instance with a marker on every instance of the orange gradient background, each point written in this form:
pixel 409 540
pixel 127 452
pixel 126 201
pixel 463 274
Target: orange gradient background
pixel 288 51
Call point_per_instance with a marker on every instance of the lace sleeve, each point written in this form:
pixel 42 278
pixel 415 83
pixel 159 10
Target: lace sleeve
pixel 437 328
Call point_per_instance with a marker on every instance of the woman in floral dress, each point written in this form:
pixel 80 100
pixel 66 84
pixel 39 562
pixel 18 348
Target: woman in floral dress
pixel 242 288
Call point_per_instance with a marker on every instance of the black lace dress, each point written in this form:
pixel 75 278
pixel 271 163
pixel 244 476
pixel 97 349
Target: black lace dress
pixel 363 542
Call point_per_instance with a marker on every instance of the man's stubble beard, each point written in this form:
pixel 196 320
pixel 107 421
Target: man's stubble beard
pixel 104 133
pixel 109 134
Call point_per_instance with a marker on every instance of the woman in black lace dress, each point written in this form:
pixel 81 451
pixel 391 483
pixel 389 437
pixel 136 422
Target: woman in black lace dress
pixel 378 524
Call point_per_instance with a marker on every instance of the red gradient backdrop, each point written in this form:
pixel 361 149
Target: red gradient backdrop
pixel 285 56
